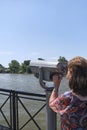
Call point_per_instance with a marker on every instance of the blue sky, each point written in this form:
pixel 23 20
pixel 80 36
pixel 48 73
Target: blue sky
pixel 30 29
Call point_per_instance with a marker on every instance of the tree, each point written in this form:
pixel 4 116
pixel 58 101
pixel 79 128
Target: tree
pixel 62 59
pixel 62 65
pixel 2 68
pixel 14 66
pixel 40 59
pixel 27 62
pixel 25 68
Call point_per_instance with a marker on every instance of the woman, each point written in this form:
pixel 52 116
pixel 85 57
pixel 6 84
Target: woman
pixel 72 105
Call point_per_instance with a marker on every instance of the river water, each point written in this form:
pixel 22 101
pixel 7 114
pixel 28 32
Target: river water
pixel 27 83
pixel 22 82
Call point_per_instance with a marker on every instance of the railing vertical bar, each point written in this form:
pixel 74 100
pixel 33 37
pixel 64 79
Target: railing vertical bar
pixel 17 112
pixel 11 109
pixel 14 111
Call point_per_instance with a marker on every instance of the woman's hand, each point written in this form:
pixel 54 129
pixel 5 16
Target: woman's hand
pixel 56 80
pixel 54 94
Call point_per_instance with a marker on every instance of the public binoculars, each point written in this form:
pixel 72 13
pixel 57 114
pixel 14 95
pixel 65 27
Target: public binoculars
pixel 44 71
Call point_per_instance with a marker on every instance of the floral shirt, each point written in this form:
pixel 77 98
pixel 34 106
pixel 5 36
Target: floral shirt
pixel 73 111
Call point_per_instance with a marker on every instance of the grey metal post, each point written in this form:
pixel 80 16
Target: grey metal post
pixel 14 110
pixel 51 116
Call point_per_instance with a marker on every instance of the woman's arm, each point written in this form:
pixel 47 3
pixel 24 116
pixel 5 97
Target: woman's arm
pixel 54 93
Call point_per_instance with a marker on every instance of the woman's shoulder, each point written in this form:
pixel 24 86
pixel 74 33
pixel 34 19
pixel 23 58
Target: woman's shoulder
pixel 67 94
pixel 79 97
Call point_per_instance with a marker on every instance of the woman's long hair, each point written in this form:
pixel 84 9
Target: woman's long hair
pixel 78 81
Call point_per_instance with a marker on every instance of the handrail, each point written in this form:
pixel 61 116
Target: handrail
pixel 23 92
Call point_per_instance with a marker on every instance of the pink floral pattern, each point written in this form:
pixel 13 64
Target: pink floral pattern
pixel 73 112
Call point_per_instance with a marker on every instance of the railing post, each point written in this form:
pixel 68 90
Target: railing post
pixel 51 116
pixel 14 111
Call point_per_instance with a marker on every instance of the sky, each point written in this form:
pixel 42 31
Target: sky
pixel 32 29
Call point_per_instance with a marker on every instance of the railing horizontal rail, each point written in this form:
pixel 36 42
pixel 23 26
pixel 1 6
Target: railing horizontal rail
pixel 23 93
pixel 38 99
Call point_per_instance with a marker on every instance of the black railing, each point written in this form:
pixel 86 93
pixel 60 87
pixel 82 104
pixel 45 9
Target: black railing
pixel 15 105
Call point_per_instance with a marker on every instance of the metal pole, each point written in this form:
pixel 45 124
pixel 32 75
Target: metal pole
pixel 14 110
pixel 51 116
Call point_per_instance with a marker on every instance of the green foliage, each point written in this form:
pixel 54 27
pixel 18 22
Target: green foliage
pixel 62 59
pixel 1 68
pixel 14 66
pixel 25 68
pixel 27 62
pixel 41 59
